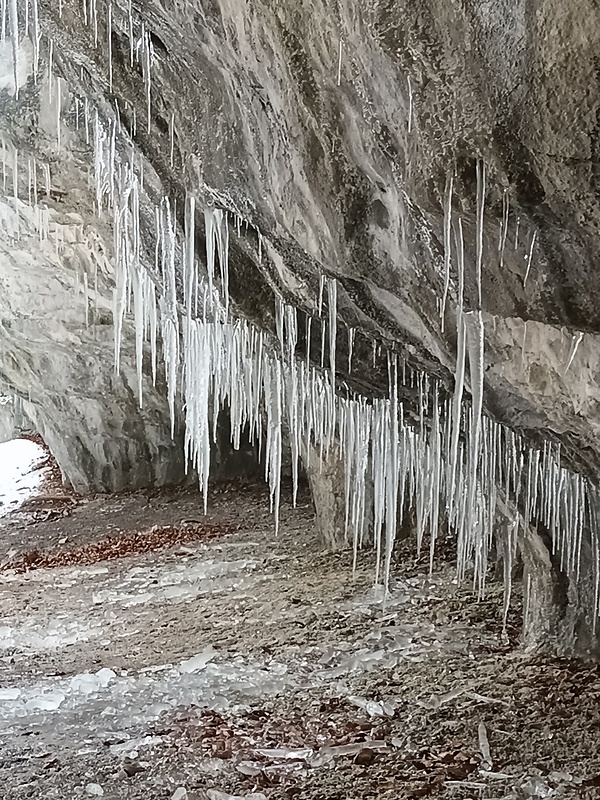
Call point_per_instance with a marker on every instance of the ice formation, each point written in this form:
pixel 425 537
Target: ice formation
pixel 455 464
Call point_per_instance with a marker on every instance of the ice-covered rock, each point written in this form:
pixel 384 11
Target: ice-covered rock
pixel 9 694
pixel 88 683
pixel 50 701
pixel 198 662
pixel 94 790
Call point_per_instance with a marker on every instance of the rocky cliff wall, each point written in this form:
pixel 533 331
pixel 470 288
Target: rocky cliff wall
pixel 361 143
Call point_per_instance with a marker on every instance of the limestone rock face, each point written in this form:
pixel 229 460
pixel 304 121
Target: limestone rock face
pixel 337 132
pixel 57 350
pixel 333 130
pixel 7 426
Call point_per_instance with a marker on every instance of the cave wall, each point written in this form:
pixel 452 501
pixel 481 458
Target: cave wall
pixel 342 165
pixel 332 131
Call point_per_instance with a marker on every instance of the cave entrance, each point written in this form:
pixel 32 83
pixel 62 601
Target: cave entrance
pixel 23 468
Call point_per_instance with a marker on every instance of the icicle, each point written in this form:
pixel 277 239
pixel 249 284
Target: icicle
pixel 503 226
pixel 210 248
pixel 172 138
pixel 321 290
pixel 410 104
pixel 332 305
pixel 109 31
pixel 189 278
pixel 146 69
pixel 50 65
pixel 529 257
pixel 58 110
pixel 351 335
pixel 480 211
pixel 436 483
pixel 339 69
pixel 575 342
pixel 448 455
pixel 459 377
pixel 392 470
pixel 14 34
pixel 35 38
pixel 169 313
pixel 222 233
pixel 447 254
pixel 94 12
pixel 475 345
pixel 130 21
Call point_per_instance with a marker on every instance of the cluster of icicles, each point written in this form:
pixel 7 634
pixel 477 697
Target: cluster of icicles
pixel 455 464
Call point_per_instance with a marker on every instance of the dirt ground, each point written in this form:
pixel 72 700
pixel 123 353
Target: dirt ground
pixel 147 651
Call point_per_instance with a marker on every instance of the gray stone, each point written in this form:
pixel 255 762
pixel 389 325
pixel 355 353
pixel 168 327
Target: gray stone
pixel 326 480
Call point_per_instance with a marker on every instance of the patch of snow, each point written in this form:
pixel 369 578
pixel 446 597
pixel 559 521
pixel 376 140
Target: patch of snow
pixel 20 473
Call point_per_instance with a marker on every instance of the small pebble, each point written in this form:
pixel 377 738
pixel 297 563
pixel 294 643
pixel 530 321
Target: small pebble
pixel 364 757
pixel 131 768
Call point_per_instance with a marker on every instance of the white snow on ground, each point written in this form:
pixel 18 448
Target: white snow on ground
pixel 20 473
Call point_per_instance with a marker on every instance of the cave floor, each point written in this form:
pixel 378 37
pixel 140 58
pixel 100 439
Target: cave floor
pixel 147 651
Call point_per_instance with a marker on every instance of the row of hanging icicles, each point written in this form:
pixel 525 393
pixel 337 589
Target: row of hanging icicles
pixel 455 465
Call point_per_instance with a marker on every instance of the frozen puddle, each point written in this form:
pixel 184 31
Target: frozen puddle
pixel 104 701
pixel 177 583
pixel 107 605
pixel 20 473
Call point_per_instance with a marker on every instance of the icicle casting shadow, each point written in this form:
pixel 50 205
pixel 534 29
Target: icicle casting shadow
pixel 456 463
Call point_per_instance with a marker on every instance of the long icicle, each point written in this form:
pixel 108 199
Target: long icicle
pixel 447 243
pixel 479 227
